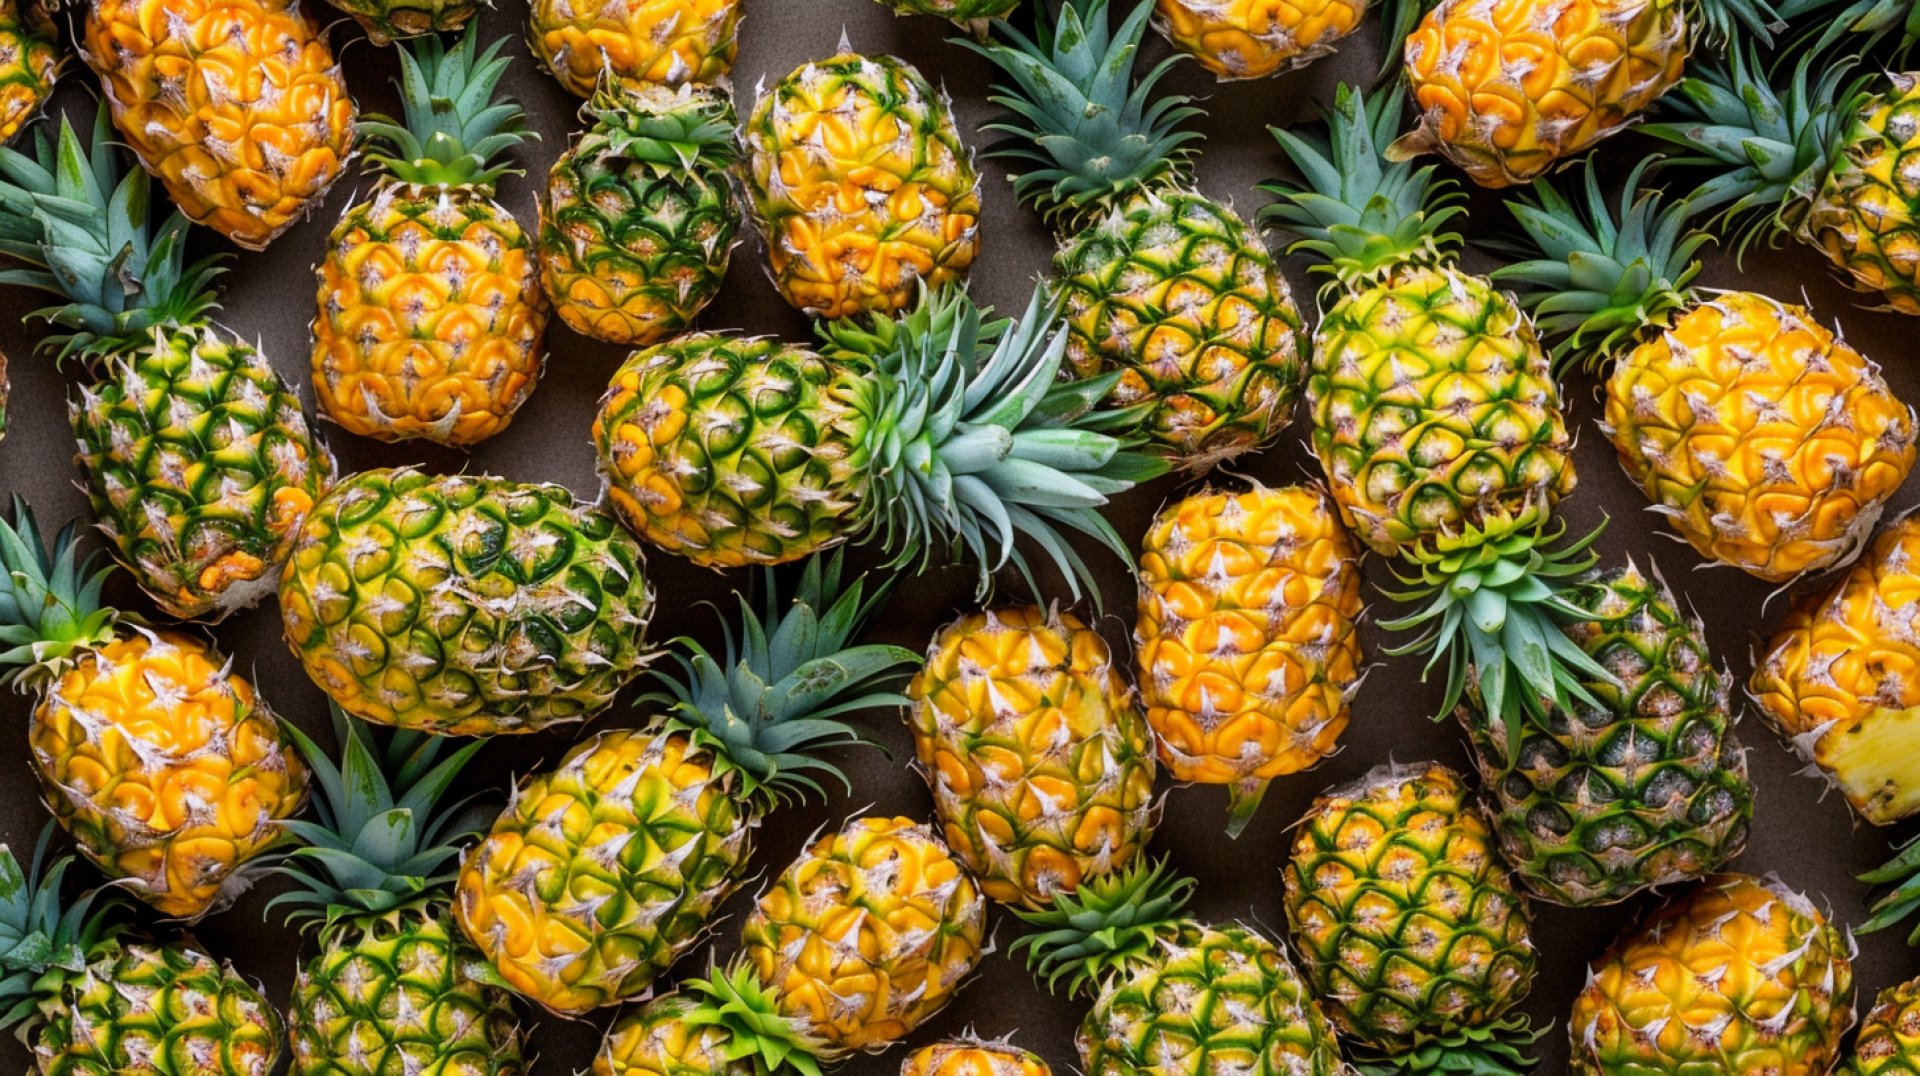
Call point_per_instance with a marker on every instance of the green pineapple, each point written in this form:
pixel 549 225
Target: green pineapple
pixel 394 988
pixel 1889 1039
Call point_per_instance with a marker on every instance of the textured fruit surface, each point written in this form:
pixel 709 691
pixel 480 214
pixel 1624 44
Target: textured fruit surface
pixel 658 1039
pixel 1505 89
pixel 604 870
pixel 1040 763
pixel 860 186
pixel 668 42
pixel 1248 646
pixel 1238 39
pixel 30 61
pixel 1175 291
pixel 431 317
pixel 200 467
pixel 237 106
pixel 1595 804
pixel 970 1057
pixel 1402 911
pixel 1841 678
pixel 867 934
pixel 1889 1040
pixel 385 20
pixel 464 605
pixel 165 768
pixel 1738 975
pixel 1765 440
pixel 1867 213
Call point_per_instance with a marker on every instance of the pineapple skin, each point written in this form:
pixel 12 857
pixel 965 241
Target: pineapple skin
pixel 658 1039
pixel 1866 216
pixel 1889 1040
pixel 386 21
pixel 1247 39
pixel 30 63
pixel 971 1057
pixel 665 42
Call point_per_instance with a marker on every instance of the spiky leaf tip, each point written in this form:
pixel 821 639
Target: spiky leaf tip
pixel 736 1002
pixel 455 131
pixel 668 129
pixel 1898 880
pixel 44 939
pixel 1502 1048
pixel 1109 926
pixel 50 606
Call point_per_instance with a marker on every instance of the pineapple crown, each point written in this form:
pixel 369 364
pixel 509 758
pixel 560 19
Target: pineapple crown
pixel 671 130
pixel 1900 898
pixel 83 229
pixel 455 131
pixel 734 1001
pixel 1109 926
pixel 43 940
pixel 775 696
pixel 1500 1048
pixel 1596 278
pixel 1085 131
pixel 1875 18
pixel 385 835
pixel 977 439
pixel 1360 212
pixel 50 609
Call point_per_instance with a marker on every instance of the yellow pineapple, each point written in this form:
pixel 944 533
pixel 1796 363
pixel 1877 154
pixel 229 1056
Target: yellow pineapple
pixel 30 62
pixel 1248 641
pixel 668 42
pixel 972 1057
pixel 1239 39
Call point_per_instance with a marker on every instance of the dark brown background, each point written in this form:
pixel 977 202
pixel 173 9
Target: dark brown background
pixel 1813 844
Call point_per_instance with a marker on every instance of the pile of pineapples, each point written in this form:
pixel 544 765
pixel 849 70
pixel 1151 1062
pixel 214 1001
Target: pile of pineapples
pixel 434 918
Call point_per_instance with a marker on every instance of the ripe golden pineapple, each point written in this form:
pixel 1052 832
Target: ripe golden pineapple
pixel 238 109
pixel 159 761
pixel 1889 1040
pixel 1040 764
pixel 30 62
pixel 667 42
pixel 972 1057
pixel 1866 216
pixel 866 935
pixel 861 187
pixel 1740 975
pixel 1247 642
pixel 1241 39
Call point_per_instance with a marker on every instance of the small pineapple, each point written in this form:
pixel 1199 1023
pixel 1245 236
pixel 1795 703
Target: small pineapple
pixel 1172 995
pixel 170 775
pixel 394 988
pixel 665 42
pixel 430 316
pixel 1248 641
pixel 30 63
pixel 638 836
pixel 971 15
pixel 638 225
pixel 1040 763
pixel 724 1025
pixel 1243 39
pixel 1889 1040
pixel 861 188
pixel 239 110
pixel 464 605
pixel 1740 975
pixel 973 1057
pixel 1404 915
pixel 1159 283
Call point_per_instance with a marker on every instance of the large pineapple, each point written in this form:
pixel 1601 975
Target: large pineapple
pixel 1740 975
pixel 464 605
pixel 1242 39
pixel 667 42
pixel 1769 443
pixel 1248 643
pixel 1404 915
pixel 393 988
pixel 604 870
pixel 1167 287
pixel 430 316
pixel 30 63
pixel 1889 1040
pixel 939 427
pixel 1841 678
pixel 866 935
pixel 1040 763
pixel 237 108
pixel 1172 995
pixel 196 456
pixel 638 225
pixel 88 998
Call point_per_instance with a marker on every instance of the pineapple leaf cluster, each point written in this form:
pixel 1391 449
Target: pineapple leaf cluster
pixel 1111 924
pixel 50 609
pixel 42 938
pixel 1901 898
pixel 455 132
pixel 734 1000
pixel 672 131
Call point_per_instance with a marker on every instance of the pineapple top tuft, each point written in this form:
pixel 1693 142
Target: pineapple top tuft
pixel 43 940
pixel 1108 927
pixel 672 130
pixel 50 608
pixel 456 131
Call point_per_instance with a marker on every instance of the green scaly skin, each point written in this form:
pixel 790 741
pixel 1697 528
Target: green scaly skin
pixel 1889 1040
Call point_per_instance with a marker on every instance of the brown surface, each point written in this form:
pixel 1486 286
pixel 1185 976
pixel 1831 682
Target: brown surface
pixel 1813 844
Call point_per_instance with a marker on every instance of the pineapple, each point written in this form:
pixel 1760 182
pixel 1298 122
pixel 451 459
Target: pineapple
pixel 1040 763
pixel 387 20
pixel 88 998
pixel 1172 995
pixel 866 935
pixel 1841 678
pixel 197 459
pixel 1247 640
pixel 973 1057
pixel 1436 418
pixel 1404 915
pixel 238 109
pixel 724 1025
pixel 607 868
pixel 1889 1041
pixel 393 988
pixel 971 15
pixel 666 42
pixel 860 186
pixel 430 316
pixel 1245 39
pixel 938 427
pixel 30 63
pixel 1739 975
pixel 1159 283
pixel 1646 789
pixel 638 226
pixel 464 605
pixel 159 761
pixel 1769 443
